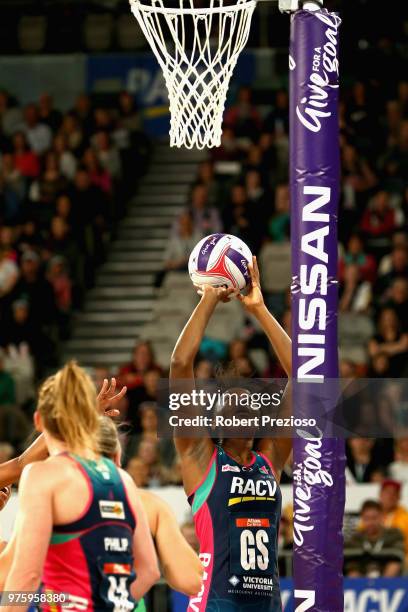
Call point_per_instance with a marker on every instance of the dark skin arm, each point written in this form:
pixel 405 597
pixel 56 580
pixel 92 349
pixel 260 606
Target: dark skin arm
pixel 195 453
pixel 10 471
pixel 277 449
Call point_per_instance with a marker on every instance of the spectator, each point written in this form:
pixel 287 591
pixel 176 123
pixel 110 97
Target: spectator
pixel 391 340
pixel 7 386
pixel 395 161
pixel 45 189
pixel 399 240
pixel 38 134
pixel 243 117
pixel 147 392
pixel 238 217
pixel 206 219
pixel 60 281
pixel 148 453
pixel 203 370
pixel 395 515
pixel 398 469
pixel 98 175
pixel 257 198
pixel 60 243
pixel 25 160
pixel 228 150
pixel 398 269
pixel 143 360
pixel 19 328
pixel 379 220
pixel 89 220
pixel 11 118
pixel 277 122
pixel 12 189
pixel 206 177
pixel 355 254
pixel 83 114
pixel 355 293
pixel 398 300
pixel 361 462
pixel 359 116
pixel 8 273
pixel 66 159
pixel 379 366
pixel 72 132
pixel 373 541
pixel 129 117
pixel 179 246
pixel 7 242
pixel 63 208
pixel 279 222
pixel 358 179
pixel 47 113
pixel 107 154
pixel 148 431
pixel 34 288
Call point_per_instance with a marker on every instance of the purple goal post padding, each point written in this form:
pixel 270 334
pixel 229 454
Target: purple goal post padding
pixel 319 481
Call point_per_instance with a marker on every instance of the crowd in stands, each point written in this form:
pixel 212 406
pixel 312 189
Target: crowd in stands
pixel 63 180
pixel 60 177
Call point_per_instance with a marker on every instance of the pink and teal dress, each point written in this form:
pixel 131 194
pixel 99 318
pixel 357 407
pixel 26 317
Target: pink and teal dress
pixel 91 559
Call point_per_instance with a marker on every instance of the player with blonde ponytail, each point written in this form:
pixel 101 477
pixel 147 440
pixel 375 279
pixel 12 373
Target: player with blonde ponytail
pixel 11 470
pixel 81 532
pixel 67 406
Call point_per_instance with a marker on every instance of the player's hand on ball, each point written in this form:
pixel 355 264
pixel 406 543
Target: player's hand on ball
pixel 107 397
pixel 218 294
pixel 254 297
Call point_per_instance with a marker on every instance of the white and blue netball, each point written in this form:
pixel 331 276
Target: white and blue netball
pixel 220 260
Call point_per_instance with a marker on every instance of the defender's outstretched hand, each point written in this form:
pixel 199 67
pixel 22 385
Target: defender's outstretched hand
pixel 107 397
pixel 254 298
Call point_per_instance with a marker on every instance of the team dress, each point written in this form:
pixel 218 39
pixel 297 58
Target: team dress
pixel 91 559
pixel 237 512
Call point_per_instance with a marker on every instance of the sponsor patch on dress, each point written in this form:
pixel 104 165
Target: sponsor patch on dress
pixel 117 568
pixel 230 468
pixel 111 509
pixel 252 522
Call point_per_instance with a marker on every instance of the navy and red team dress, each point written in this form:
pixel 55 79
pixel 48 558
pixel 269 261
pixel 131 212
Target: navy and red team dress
pixel 237 512
pixel 91 559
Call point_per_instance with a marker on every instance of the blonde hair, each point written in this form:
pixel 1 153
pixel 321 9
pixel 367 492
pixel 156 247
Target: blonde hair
pixel 108 439
pixel 68 406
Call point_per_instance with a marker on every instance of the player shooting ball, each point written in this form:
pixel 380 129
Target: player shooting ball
pixel 232 488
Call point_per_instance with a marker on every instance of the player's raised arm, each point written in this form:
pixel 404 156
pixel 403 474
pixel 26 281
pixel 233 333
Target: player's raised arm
pixel 188 344
pixel 255 305
pixel 277 449
pixel 195 452
pixel 10 471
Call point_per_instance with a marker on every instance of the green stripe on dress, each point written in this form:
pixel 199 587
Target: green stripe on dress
pixel 141 606
pixel 203 491
pixel 61 538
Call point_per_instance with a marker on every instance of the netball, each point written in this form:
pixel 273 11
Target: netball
pixel 220 260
